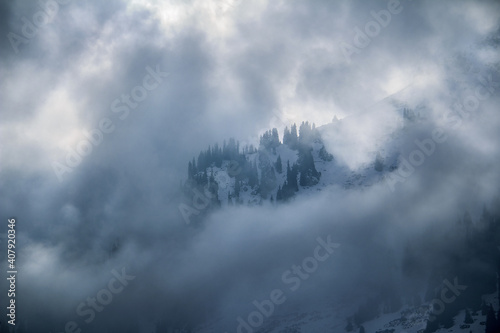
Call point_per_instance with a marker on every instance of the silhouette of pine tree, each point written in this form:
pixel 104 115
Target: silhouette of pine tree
pixel 349 326
pixel 279 194
pixel 468 318
pixel 293 137
pixel 491 321
pixel 484 308
pixel 286 136
pixel 278 165
pixel 432 325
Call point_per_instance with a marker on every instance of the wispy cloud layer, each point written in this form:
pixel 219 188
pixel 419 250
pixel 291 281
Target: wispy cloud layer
pixel 234 68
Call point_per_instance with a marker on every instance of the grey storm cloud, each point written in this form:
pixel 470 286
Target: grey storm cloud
pixel 229 70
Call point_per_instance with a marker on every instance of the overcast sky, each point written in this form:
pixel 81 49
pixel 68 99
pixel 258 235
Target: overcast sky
pixel 235 68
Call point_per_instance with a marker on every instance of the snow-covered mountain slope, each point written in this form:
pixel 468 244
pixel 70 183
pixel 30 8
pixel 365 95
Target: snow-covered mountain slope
pixel 353 154
pixel 332 318
pixel 375 162
pixel 335 171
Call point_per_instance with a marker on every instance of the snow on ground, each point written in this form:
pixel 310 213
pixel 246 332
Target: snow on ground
pixel 332 173
pixel 338 172
pixel 327 318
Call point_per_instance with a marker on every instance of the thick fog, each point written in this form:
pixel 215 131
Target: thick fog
pixel 211 70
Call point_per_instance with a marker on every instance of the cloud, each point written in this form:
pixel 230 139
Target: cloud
pixel 232 71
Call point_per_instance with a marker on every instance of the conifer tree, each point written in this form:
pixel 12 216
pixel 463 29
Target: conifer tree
pixel 253 177
pixel 305 132
pixel 295 172
pixel 201 161
pixel 309 176
pixel 190 170
pixel 432 325
pixel 195 168
pixel 491 321
pixel 275 137
pixel 286 136
pixel 288 170
pixel 237 188
pixel 349 327
pixel 209 156
pixel 279 195
pixel 468 318
pixel 324 155
pixel 293 137
pixel 484 308
pixel 279 167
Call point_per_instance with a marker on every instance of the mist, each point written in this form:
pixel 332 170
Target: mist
pixel 236 69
